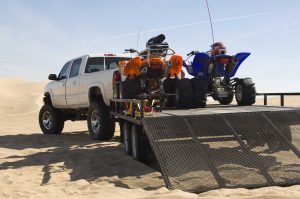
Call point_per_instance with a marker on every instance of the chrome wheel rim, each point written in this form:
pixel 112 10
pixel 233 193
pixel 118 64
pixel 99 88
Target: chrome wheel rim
pixel 47 120
pixel 95 121
pixel 239 92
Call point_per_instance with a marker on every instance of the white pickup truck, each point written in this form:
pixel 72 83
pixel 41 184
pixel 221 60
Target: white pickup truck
pixel 81 91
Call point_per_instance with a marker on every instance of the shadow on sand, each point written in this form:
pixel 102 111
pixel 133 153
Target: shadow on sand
pixel 82 157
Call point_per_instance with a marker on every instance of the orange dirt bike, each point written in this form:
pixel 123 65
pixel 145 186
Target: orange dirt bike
pixel 152 75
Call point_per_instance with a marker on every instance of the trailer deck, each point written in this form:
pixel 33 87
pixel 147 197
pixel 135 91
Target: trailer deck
pixel 226 146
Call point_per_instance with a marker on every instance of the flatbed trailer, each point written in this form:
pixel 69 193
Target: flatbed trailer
pixel 219 146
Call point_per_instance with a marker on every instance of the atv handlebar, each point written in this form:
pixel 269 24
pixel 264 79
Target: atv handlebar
pixel 192 53
pixel 131 50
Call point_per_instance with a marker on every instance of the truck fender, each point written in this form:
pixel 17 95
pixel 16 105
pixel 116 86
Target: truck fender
pixel 102 90
pixel 49 91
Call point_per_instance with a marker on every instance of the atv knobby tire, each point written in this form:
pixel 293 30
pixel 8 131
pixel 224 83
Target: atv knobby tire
pixel 169 88
pixel 200 88
pixel 226 100
pixel 184 93
pixel 51 120
pixel 245 92
pixel 129 88
pixel 100 123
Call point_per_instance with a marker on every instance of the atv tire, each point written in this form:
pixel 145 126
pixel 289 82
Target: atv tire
pixel 100 123
pixel 129 88
pixel 51 120
pixel 200 88
pixel 245 92
pixel 184 93
pixel 169 88
pixel 226 100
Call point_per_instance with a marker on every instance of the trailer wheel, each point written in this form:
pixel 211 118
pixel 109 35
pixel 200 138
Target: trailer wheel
pixel 184 93
pixel 130 88
pixel 226 100
pixel 121 124
pixel 169 88
pixel 200 88
pixel 139 143
pixel 51 120
pixel 245 92
pixel 100 123
pixel 127 137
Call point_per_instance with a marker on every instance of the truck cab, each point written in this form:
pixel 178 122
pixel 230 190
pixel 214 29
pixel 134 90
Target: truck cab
pixel 81 91
pixel 70 88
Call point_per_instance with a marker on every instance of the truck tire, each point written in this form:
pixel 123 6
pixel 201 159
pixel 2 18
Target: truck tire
pixel 245 92
pixel 129 88
pixel 169 88
pixel 127 137
pixel 139 143
pixel 184 93
pixel 100 124
pixel 226 100
pixel 51 120
pixel 200 88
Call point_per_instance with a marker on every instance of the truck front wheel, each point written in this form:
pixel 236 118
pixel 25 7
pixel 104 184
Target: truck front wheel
pixel 51 120
pixel 100 124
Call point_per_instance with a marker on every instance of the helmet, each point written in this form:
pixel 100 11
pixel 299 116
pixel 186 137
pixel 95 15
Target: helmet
pixel 156 40
pixel 218 48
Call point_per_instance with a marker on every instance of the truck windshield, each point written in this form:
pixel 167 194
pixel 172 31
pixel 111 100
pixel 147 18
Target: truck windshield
pixel 112 62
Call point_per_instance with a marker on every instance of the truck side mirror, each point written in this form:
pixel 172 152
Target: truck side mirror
pixel 52 77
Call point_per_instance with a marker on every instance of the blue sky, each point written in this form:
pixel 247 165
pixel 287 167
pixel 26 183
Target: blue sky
pixel 38 37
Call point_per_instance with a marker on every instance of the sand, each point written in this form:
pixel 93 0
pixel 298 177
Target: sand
pixel 71 165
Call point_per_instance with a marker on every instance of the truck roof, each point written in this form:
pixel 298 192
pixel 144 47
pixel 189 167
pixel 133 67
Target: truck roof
pixel 108 55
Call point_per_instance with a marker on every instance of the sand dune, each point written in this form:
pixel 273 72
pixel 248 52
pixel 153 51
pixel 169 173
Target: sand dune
pixel 71 165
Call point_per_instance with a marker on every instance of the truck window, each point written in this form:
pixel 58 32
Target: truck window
pixel 75 68
pixel 112 62
pixel 63 74
pixel 94 64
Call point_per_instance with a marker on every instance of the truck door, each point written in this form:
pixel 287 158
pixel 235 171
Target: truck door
pixel 59 87
pixel 73 83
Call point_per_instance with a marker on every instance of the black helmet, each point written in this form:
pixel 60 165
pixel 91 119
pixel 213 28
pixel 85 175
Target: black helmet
pixel 156 40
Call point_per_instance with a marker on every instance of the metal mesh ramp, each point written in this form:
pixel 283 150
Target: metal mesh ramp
pixel 214 150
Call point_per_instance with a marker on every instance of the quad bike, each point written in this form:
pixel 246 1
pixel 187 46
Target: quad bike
pixel 152 75
pixel 214 72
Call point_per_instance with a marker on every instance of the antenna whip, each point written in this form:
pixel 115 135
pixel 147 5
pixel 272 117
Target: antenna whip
pixel 138 38
pixel 211 26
